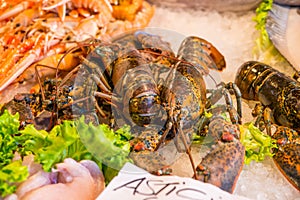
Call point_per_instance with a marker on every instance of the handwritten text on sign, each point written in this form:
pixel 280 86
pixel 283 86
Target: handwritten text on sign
pixel 135 184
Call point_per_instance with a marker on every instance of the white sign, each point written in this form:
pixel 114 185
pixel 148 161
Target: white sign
pixel 133 183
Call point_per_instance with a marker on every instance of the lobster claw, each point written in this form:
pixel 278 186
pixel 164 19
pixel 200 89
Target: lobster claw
pixel 146 156
pixel 222 166
pixel 287 155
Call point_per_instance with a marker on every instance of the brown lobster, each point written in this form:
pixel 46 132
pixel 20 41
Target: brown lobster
pixel 279 96
pixel 163 97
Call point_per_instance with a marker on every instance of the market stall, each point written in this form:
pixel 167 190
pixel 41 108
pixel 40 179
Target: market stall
pixel 50 53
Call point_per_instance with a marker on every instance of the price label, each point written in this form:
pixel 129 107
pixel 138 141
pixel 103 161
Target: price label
pixel 133 183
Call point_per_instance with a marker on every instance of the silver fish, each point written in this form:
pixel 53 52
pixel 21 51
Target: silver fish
pixel 288 2
pixel 283 25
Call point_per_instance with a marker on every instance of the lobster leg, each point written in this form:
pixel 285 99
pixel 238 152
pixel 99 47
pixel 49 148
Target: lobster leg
pixel 101 82
pixel 233 89
pixel 187 148
pixel 234 117
pixel 263 117
pixel 224 91
pixel 182 135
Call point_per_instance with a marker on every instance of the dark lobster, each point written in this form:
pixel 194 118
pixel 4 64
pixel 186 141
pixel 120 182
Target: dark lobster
pixel 279 97
pixel 138 80
pixel 39 108
pixel 163 96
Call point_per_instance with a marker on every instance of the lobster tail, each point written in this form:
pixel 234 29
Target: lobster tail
pixel 207 58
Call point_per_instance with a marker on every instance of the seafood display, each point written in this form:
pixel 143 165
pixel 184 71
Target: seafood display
pixel 278 95
pixel 89 77
pixel 33 30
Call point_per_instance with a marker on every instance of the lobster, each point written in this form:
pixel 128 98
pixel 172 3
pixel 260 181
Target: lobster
pixel 162 96
pixel 279 104
pixel 47 108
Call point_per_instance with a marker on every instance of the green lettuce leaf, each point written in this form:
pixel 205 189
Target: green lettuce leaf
pixel 9 125
pixel 264 48
pixel 257 144
pixel 110 147
pixel 11 172
pixel 61 142
pixel 77 140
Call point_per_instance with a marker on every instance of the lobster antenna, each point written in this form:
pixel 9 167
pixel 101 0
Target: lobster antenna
pixel 75 48
pixel 70 50
pixel 212 78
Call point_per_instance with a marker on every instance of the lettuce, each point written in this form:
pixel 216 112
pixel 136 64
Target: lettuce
pixel 9 125
pixel 264 47
pixel 77 140
pixel 50 148
pixel 71 139
pixel 11 172
pixel 110 147
pixel 257 144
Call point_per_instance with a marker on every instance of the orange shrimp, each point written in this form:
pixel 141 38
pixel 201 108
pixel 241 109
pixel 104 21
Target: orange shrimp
pixel 22 57
pixel 25 17
pixel 13 8
pixel 96 6
pixel 143 17
pixel 141 20
pixel 126 10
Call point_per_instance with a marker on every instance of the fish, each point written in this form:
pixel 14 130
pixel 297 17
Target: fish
pixel 283 25
pixel 288 2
